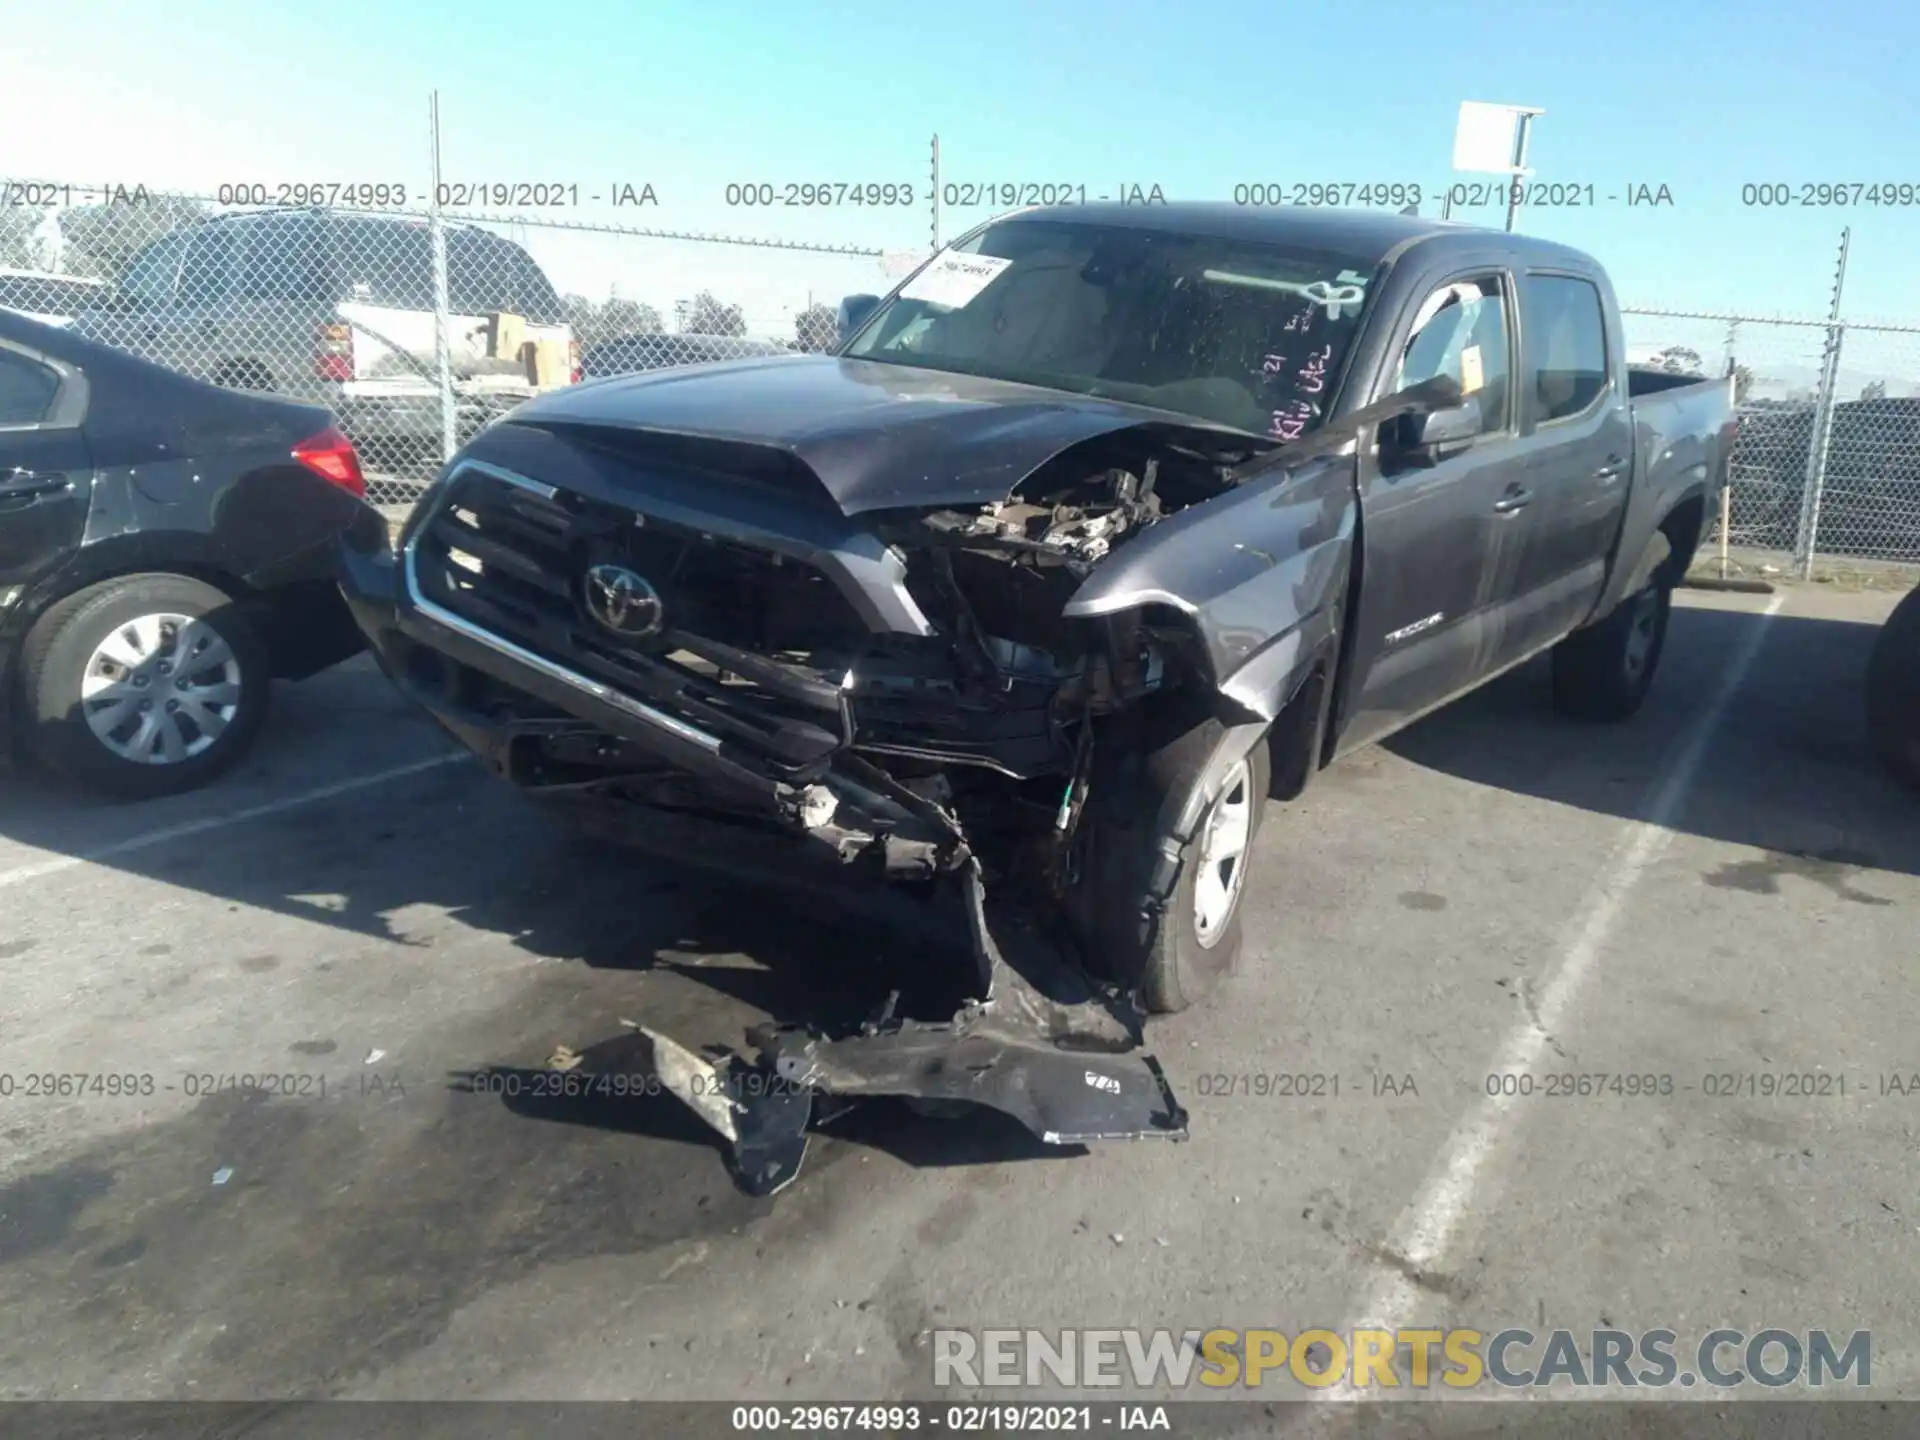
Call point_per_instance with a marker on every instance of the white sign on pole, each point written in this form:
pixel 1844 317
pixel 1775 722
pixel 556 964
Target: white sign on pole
pixel 1484 139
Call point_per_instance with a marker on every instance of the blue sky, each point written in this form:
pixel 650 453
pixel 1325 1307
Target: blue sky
pixel 1194 95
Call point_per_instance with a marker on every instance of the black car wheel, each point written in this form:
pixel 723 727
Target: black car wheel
pixel 143 685
pixel 1604 671
pixel 1161 913
pixel 1893 692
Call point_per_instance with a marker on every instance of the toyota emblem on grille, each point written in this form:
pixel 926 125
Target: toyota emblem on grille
pixel 623 602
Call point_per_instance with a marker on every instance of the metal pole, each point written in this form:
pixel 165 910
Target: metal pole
pixel 1446 202
pixel 1726 524
pixel 935 195
pixel 442 351
pixel 1806 540
pixel 1519 167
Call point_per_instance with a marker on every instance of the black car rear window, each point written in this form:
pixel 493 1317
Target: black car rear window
pixel 27 389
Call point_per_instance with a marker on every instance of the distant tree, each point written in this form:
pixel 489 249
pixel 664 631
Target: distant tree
pixel 1742 383
pixel 103 239
pixel 630 317
pixel 581 314
pixel 707 316
pixel 19 246
pixel 594 320
pixel 1874 390
pixel 817 328
pixel 1679 360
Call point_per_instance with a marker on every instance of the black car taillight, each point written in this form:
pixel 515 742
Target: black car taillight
pixel 330 456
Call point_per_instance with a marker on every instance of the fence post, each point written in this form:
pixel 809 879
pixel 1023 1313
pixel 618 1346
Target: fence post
pixel 442 352
pixel 936 193
pixel 1806 540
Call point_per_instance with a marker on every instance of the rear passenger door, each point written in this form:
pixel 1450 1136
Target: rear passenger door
pixel 1442 540
pixel 46 478
pixel 1575 455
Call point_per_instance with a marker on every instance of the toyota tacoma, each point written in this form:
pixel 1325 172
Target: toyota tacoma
pixel 1106 526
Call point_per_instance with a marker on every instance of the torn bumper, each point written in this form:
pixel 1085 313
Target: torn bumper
pixel 1042 1048
pixel 1039 1042
pixel 515 707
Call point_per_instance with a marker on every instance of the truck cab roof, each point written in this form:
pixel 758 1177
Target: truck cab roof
pixel 1385 234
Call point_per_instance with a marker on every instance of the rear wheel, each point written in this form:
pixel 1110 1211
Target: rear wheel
pixel 1893 692
pixel 1604 671
pixel 1161 913
pixel 144 685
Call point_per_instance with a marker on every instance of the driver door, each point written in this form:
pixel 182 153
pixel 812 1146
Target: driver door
pixel 1442 540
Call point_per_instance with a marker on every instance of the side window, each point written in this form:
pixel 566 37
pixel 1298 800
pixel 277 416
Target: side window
pixel 206 274
pixel 487 273
pixel 149 279
pixel 1566 344
pixel 27 389
pixel 280 259
pixel 1460 331
pixel 382 262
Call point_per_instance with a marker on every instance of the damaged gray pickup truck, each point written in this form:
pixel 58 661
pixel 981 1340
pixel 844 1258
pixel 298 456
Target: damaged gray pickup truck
pixel 1107 525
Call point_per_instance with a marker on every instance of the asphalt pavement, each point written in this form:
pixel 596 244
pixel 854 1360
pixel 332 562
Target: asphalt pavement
pixel 331 985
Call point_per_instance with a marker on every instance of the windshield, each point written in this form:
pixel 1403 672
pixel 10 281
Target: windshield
pixel 1244 334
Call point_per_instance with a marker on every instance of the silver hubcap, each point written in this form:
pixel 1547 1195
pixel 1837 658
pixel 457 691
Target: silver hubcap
pixel 1646 617
pixel 161 689
pixel 1222 861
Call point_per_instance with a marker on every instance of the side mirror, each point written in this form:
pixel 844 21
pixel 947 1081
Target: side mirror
pixel 1436 435
pixel 854 311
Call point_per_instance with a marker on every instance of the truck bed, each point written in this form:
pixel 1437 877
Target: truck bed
pixel 1683 428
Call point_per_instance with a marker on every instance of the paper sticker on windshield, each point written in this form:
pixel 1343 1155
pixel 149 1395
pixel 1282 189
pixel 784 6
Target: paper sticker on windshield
pixel 1336 298
pixel 1471 376
pixel 954 279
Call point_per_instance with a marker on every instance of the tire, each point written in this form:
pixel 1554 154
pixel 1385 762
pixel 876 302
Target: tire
pixel 122 633
pixel 1893 693
pixel 1172 937
pixel 1604 671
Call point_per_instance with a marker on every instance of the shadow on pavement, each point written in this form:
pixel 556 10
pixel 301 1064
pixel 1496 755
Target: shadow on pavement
pixel 1786 771
pixel 1786 774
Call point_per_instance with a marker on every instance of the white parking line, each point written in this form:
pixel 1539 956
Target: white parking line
pixel 43 868
pixel 1420 1246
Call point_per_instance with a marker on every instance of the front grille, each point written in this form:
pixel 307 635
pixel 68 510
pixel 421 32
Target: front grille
pixel 752 643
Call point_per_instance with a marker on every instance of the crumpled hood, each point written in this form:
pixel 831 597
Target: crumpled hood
pixel 876 436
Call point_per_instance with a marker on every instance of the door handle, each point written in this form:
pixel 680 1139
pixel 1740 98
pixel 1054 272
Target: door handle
pixel 1515 499
pixel 1612 470
pixel 26 485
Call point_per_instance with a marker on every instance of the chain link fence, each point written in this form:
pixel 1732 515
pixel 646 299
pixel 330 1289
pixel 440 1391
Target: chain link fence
pixel 414 328
pixel 417 327
pixel 1827 461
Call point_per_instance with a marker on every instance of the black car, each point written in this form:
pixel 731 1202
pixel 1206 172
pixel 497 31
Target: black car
pixel 166 549
pixel 1893 692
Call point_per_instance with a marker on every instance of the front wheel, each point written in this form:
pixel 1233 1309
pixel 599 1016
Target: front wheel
pixel 1162 913
pixel 1604 671
pixel 144 685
